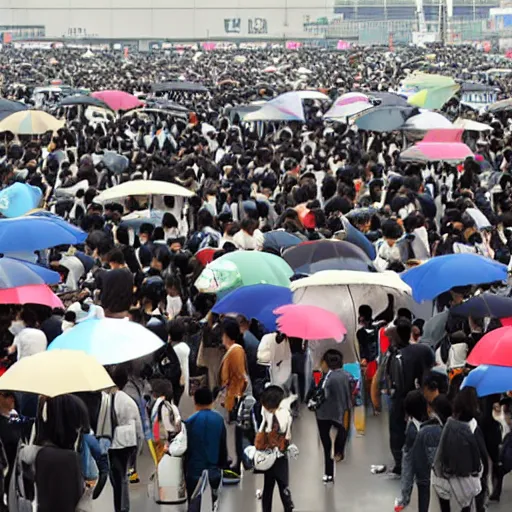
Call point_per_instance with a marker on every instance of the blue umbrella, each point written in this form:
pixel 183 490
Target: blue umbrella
pixel 443 273
pixel 484 305
pixel 356 237
pixel 37 233
pixel 256 301
pixel 14 273
pixel 489 380
pixel 19 199
pixel 276 241
pixel 109 340
pixel 384 119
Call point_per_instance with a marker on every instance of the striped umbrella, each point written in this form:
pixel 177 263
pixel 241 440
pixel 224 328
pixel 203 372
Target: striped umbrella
pixel 30 122
pixel 347 105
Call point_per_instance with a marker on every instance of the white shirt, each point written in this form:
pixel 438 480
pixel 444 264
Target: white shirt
pixel 278 356
pixel 182 351
pixel 29 342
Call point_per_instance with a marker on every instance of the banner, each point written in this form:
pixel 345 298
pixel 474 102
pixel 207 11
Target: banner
pixel 293 45
pixel 208 47
pixel 343 45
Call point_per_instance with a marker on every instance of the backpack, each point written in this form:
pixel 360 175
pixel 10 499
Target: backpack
pixel 168 366
pixel 395 381
pixel 107 422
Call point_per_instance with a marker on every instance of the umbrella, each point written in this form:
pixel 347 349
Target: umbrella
pixel 115 162
pixel 143 188
pixel 442 273
pixel 500 106
pixel 486 304
pixel 347 105
pixel 276 241
pixel 489 379
pixel 286 107
pixel 384 119
pixel 312 95
pixel 311 257
pixel 109 340
pixel 482 222
pixel 118 100
pixel 309 322
pixel 495 348
pixel 387 99
pixel 14 273
pixel 8 107
pixel 243 268
pixel 472 126
pixel 354 236
pixel 56 372
pixel 426 121
pixel 82 99
pixel 179 86
pixel 30 294
pixel 434 98
pixel 205 256
pixel 30 122
pixel 343 292
pixel 38 233
pixel 19 199
pixel 256 301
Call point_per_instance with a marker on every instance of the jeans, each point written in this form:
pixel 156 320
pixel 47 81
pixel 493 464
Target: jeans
pixel 397 426
pixel 279 473
pixel 324 429
pixel 119 460
pixel 407 477
pixel 214 479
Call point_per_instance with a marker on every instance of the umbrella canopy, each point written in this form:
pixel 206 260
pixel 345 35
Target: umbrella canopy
pixel 257 301
pixel 30 294
pixel 8 107
pixel 243 268
pixel 286 107
pixel 311 257
pixel 472 126
pixel 489 379
pixel 82 99
pixel 442 273
pixel 384 119
pixel 19 199
pixel 387 99
pixel 56 372
pixel 309 322
pixel 426 121
pixel 343 292
pixel 347 105
pixel 354 236
pixel 276 241
pixel 500 106
pixel 495 348
pixel 486 304
pixel 38 233
pixel 205 255
pixel 118 100
pixel 14 273
pixel 115 162
pixel 434 98
pixel 143 188
pixel 182 86
pixel 313 95
pixel 30 122
pixel 109 340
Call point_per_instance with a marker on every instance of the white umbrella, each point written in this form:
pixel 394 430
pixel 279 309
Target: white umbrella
pixel 312 95
pixel 472 126
pixel 427 121
pixel 343 292
pixel 143 188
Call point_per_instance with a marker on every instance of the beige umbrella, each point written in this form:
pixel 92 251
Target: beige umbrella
pixel 30 122
pixel 56 372
pixel 142 188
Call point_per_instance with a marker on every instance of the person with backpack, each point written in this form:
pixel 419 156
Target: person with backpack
pixel 177 330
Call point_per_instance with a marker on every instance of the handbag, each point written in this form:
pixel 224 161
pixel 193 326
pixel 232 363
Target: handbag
pixel 178 446
pixel 167 484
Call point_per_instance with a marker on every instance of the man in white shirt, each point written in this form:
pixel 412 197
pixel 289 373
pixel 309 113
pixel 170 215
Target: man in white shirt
pixel 28 340
pixel 274 351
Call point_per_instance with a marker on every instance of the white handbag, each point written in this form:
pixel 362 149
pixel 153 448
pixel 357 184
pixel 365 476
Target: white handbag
pixel 167 485
pixel 178 446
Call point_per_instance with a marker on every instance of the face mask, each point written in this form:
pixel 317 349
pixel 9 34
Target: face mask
pixel 16 327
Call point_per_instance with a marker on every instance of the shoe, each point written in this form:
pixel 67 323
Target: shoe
pixel 326 479
pixel 339 457
pixel 133 476
pixel 399 506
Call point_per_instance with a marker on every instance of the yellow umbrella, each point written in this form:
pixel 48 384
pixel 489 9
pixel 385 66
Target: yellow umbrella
pixel 30 122
pixel 56 372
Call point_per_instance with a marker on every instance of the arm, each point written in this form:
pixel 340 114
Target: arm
pixel 223 449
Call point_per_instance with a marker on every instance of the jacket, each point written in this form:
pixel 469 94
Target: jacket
pixel 233 375
pixel 276 355
pixel 338 397
pixel 425 447
pixel 128 431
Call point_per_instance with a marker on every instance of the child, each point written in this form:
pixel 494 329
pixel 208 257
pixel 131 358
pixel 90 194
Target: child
pixel 275 433
pixel 415 405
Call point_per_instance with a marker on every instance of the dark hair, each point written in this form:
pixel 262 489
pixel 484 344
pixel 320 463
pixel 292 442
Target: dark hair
pixel 116 256
pixel 271 397
pixel 366 312
pixel 436 381
pixel 119 375
pixel 163 255
pixel 29 317
pixel 162 387
pixel 203 397
pixel 176 329
pixel 403 330
pixel 169 220
pixel 404 313
pixel 391 229
pixel 442 407
pixel 146 229
pixel 231 329
pixel 333 359
pixel 465 404
pixel 415 405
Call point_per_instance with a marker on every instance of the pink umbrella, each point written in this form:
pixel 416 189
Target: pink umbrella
pixel 118 100
pixel 30 294
pixel 309 322
pixel 347 105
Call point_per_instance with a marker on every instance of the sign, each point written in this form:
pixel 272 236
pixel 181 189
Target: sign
pixel 343 45
pixel 7 38
pixel 208 47
pixel 293 45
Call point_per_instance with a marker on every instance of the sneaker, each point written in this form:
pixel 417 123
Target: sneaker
pixel 399 506
pixel 259 494
pixel 326 479
pixel 133 476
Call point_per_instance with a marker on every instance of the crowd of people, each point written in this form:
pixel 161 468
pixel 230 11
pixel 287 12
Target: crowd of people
pixel 247 179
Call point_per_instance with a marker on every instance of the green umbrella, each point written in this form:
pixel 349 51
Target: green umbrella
pixel 243 268
pixel 427 81
pixel 435 98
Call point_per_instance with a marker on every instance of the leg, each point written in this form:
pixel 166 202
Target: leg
pixel 406 478
pixel 283 482
pixel 423 496
pixel 239 445
pixel 132 469
pixel 119 477
pixel 445 505
pixel 268 490
pixel 342 436
pixel 215 479
pixel 193 505
pixel 397 432
pixel 497 483
pixel 324 428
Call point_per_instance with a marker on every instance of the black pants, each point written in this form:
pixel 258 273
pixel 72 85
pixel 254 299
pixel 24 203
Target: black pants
pixel 397 426
pixel 214 479
pixel 279 473
pixel 445 506
pixel 324 429
pixel 423 496
pixel 119 460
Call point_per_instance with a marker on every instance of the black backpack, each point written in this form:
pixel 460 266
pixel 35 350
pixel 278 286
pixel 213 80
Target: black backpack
pixel 395 374
pixel 168 366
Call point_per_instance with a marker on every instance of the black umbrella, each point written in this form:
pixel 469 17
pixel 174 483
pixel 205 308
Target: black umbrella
pixel 179 86
pixel 485 305
pixel 72 101
pixel 388 99
pixel 276 241
pixel 8 107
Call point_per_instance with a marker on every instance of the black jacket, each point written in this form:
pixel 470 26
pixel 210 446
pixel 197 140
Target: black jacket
pixel 425 447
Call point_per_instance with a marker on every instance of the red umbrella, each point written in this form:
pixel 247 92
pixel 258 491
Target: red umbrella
pixel 495 348
pixel 118 100
pixel 205 256
pixel 30 294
